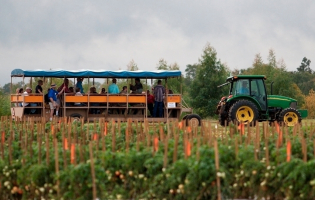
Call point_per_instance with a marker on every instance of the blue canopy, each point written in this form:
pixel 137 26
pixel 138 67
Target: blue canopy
pixel 96 73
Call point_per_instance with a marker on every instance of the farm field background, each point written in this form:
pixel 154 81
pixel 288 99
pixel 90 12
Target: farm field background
pixel 113 160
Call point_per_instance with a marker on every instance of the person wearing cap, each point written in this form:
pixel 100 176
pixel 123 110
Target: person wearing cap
pixel 244 89
pixel 54 102
pixel 138 86
pixel 113 88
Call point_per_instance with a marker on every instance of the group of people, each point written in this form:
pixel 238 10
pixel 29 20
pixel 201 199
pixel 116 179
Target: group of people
pixel 155 100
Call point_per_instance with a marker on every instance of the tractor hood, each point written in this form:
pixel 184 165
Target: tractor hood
pixel 281 101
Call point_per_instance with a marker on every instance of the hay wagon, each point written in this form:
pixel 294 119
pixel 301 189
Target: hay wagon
pixel 109 106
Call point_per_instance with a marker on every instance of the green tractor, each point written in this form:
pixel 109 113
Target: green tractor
pixel 248 102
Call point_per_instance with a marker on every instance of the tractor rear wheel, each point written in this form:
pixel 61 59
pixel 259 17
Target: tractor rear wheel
pixel 289 117
pixel 244 111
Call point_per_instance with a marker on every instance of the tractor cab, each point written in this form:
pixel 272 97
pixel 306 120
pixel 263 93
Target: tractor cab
pixel 250 87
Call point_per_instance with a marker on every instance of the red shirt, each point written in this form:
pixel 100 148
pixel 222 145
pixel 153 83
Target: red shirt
pixel 66 89
pixel 150 98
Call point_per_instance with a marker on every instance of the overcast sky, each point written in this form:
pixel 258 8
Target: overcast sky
pixel 101 34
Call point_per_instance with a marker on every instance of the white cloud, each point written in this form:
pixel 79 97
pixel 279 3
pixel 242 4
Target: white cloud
pixel 108 34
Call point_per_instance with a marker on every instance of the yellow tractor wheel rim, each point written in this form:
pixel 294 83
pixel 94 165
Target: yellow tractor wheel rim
pixel 245 114
pixel 291 118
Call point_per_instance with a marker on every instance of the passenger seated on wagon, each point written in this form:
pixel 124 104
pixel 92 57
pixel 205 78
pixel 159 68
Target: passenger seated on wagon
pixel 71 89
pixel 113 88
pixel 28 92
pixel 78 93
pixel 94 93
pixel 138 86
pixel 124 90
pixel 135 110
pixel 103 91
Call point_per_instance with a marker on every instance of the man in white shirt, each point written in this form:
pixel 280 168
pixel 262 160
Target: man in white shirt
pixel 28 90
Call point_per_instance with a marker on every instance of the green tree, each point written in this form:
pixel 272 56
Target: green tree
pixel 5 103
pixel 190 74
pixel 173 84
pixel 204 92
pixel 304 76
pixel 6 88
pixel 305 66
pixel 132 66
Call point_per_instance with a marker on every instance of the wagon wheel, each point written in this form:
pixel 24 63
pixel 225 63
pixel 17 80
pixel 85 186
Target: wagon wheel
pixel 193 120
pixel 76 117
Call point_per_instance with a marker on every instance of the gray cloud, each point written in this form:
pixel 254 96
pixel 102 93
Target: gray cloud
pixel 108 34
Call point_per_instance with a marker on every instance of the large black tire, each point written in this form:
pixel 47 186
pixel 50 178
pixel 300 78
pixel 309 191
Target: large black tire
pixel 244 111
pixel 193 120
pixel 76 117
pixel 289 117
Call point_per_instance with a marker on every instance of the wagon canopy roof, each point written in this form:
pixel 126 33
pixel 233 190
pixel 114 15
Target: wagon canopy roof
pixel 96 73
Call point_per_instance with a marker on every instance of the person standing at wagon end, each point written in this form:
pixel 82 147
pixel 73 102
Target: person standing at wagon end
pixel 159 91
pixel 54 102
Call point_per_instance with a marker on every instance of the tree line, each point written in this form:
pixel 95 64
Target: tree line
pixel 199 82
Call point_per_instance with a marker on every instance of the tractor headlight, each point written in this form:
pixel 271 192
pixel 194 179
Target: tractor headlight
pixel 293 105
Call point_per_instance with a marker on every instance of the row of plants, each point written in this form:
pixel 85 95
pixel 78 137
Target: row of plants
pixel 162 168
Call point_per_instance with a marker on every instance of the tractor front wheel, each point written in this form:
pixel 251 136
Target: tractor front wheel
pixel 289 117
pixel 244 111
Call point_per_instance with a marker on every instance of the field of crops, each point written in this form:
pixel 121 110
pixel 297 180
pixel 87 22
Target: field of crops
pixel 111 160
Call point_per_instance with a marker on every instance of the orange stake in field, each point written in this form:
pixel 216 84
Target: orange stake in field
pixel 105 129
pixel 188 148
pixel 241 127
pixel 95 136
pixel 72 153
pixel 279 141
pixel 66 144
pixel 289 151
pixel 180 125
pixel 156 144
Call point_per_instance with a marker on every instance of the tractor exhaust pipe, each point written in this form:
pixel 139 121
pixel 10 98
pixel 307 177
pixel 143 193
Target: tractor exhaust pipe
pixel 271 87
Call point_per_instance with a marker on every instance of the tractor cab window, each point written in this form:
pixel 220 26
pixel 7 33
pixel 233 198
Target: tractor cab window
pixel 240 87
